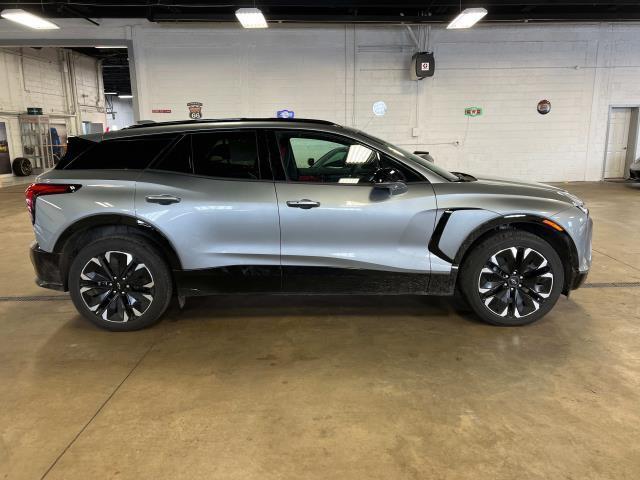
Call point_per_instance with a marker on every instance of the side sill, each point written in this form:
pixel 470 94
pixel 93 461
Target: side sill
pixel 443 284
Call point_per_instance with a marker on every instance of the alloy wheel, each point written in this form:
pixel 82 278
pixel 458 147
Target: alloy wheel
pixel 515 282
pixel 116 286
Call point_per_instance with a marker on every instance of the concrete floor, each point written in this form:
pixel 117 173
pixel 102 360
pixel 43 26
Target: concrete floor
pixel 317 388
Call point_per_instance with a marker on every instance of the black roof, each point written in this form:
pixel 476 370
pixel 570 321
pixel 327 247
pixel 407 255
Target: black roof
pixel 151 123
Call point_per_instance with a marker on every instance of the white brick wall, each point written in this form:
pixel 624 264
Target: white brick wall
pixel 337 72
pixel 35 78
pixel 581 69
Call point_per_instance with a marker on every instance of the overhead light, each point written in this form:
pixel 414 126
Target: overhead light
pixel 28 19
pixel 125 96
pixel 251 18
pixel 110 93
pixel 468 18
pixel 110 46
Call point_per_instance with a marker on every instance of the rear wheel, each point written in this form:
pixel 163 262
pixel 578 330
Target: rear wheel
pixel 120 284
pixel 512 278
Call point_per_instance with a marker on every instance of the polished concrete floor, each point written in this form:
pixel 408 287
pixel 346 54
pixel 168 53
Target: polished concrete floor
pixel 319 388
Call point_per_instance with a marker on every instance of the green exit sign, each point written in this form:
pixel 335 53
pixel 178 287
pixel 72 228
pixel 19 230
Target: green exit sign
pixel 473 111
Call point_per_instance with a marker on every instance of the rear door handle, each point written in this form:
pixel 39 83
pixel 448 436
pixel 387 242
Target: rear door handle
pixel 164 199
pixel 305 204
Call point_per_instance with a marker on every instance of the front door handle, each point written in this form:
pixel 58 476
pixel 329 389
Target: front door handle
pixel 305 204
pixel 164 199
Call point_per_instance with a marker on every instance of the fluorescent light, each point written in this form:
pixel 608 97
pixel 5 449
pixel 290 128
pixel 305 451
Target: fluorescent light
pixel 28 19
pixel 110 93
pixel 468 18
pixel 110 46
pixel 125 96
pixel 251 18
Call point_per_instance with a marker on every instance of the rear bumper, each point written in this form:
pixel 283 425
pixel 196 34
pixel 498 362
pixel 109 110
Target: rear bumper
pixel 47 268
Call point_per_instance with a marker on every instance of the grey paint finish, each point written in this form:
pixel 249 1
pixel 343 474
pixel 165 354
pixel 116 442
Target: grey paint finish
pixel 217 222
pixel 357 227
pixel 103 192
pixel 221 222
pixel 460 225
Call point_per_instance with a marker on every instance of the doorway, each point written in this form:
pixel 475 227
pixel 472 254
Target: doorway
pixel 621 141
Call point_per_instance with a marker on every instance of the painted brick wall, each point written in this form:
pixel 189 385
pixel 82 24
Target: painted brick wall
pixel 39 78
pixel 337 73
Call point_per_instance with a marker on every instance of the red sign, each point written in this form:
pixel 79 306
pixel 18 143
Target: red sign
pixel 161 110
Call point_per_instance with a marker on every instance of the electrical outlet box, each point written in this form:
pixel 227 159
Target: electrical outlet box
pixel 415 132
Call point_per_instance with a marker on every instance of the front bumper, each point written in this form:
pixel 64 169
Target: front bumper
pixel 47 267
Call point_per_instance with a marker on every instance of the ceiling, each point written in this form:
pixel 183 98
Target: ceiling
pixel 115 67
pixel 327 11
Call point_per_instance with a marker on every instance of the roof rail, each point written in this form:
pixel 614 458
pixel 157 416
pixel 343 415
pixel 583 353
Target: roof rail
pixel 147 123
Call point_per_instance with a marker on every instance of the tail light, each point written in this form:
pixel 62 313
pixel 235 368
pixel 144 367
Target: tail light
pixel 36 190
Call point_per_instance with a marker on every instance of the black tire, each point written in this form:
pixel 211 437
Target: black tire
pixel 525 296
pixel 133 265
pixel 22 167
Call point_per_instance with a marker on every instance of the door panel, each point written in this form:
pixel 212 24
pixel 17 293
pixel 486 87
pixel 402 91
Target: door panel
pixel 355 227
pixel 216 223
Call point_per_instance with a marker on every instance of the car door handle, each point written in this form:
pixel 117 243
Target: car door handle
pixel 305 204
pixel 164 199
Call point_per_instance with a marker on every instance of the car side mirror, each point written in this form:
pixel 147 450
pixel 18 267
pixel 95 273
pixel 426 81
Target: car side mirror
pixel 311 162
pixel 394 188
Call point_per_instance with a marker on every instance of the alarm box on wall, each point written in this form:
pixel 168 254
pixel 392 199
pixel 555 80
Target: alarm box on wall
pixel 422 65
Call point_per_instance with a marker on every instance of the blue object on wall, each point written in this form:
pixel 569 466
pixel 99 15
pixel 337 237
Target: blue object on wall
pixel 285 114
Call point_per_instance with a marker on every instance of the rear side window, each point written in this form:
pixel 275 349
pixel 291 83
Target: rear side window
pixel 226 154
pixel 121 154
pixel 177 158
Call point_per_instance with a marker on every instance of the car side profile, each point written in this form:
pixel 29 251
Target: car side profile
pixel 130 218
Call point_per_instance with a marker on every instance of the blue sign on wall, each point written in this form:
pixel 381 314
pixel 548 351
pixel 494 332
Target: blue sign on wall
pixel 285 114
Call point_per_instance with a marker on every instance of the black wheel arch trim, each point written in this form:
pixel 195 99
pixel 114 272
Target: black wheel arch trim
pixel 118 220
pixel 503 221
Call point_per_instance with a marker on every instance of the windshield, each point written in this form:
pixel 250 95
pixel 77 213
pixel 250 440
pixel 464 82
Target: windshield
pixel 412 158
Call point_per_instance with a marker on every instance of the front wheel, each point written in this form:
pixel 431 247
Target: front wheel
pixel 120 283
pixel 512 278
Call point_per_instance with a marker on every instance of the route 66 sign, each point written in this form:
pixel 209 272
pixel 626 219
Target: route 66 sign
pixel 195 110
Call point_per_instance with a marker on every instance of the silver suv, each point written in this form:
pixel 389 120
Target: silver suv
pixel 129 218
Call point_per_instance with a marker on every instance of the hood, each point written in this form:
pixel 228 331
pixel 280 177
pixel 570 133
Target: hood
pixel 533 189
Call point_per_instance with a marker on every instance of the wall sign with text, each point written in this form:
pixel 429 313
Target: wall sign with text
pixel 473 111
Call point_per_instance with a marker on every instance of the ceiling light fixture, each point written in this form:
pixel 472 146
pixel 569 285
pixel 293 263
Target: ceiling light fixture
pixel 251 18
pixel 110 93
pixel 28 19
pixel 125 96
pixel 110 46
pixel 467 18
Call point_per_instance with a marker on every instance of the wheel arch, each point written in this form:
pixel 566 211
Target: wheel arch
pixel 561 241
pixel 91 228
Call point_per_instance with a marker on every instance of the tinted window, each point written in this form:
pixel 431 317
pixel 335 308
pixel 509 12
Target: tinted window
pixel 226 154
pixel 178 158
pixel 131 153
pixel 75 147
pixel 310 157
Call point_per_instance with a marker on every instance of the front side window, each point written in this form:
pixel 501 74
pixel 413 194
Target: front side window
pixel 226 155
pixel 122 153
pixel 321 158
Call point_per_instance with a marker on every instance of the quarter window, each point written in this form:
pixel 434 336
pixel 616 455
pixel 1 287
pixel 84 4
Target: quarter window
pixel 126 153
pixel 226 154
